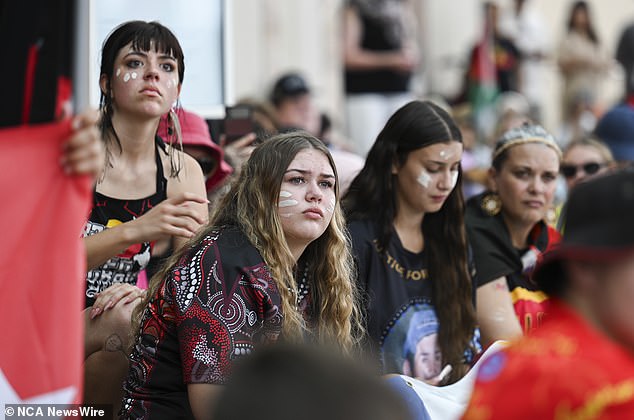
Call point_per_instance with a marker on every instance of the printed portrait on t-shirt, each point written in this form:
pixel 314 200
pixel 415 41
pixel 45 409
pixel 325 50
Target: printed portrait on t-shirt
pixel 411 346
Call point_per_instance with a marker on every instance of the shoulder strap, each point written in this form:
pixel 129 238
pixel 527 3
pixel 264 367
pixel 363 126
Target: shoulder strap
pixel 161 181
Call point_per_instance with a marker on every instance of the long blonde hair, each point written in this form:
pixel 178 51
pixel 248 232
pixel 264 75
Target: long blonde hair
pixel 251 205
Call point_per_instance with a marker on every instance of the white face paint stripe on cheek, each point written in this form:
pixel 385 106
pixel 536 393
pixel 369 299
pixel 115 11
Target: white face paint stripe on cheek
pixel 454 179
pixel 118 72
pixel 288 203
pixel 331 206
pixel 126 77
pixel 424 179
pixel 172 82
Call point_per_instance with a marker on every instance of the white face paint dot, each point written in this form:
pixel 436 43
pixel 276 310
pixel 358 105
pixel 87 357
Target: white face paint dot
pixel 126 77
pixel 445 155
pixel 424 179
pixel 134 75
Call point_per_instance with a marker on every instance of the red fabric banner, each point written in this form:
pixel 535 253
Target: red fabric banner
pixel 42 267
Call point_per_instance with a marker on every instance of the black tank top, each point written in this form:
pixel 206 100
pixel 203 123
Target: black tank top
pixel 380 34
pixel 108 212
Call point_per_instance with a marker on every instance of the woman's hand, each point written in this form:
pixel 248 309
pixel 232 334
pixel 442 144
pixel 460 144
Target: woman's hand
pixel 406 60
pixel 172 217
pixel 108 298
pixel 83 152
pixel 238 152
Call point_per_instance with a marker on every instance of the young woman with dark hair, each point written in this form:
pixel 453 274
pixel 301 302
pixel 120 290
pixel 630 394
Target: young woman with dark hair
pixel 148 194
pixel 273 264
pixel 405 212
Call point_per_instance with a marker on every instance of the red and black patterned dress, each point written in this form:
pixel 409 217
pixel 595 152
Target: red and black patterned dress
pixel 216 305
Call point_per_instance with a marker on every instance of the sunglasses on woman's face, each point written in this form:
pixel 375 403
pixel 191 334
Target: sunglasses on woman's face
pixel 590 168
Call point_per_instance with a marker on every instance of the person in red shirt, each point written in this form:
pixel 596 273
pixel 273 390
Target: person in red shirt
pixel 580 363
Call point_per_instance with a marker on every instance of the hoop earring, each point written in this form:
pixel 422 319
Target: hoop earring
pixel 491 204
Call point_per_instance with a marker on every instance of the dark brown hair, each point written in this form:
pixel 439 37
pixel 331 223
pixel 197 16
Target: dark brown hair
pixel 372 195
pixel 577 6
pixel 143 36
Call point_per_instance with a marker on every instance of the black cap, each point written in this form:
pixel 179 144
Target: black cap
pixel 599 226
pixel 289 85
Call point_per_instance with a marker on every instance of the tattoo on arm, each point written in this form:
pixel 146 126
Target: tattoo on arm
pixel 114 343
pixel 500 286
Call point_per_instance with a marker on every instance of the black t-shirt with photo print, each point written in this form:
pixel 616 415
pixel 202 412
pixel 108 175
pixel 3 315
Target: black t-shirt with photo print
pixel 398 295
